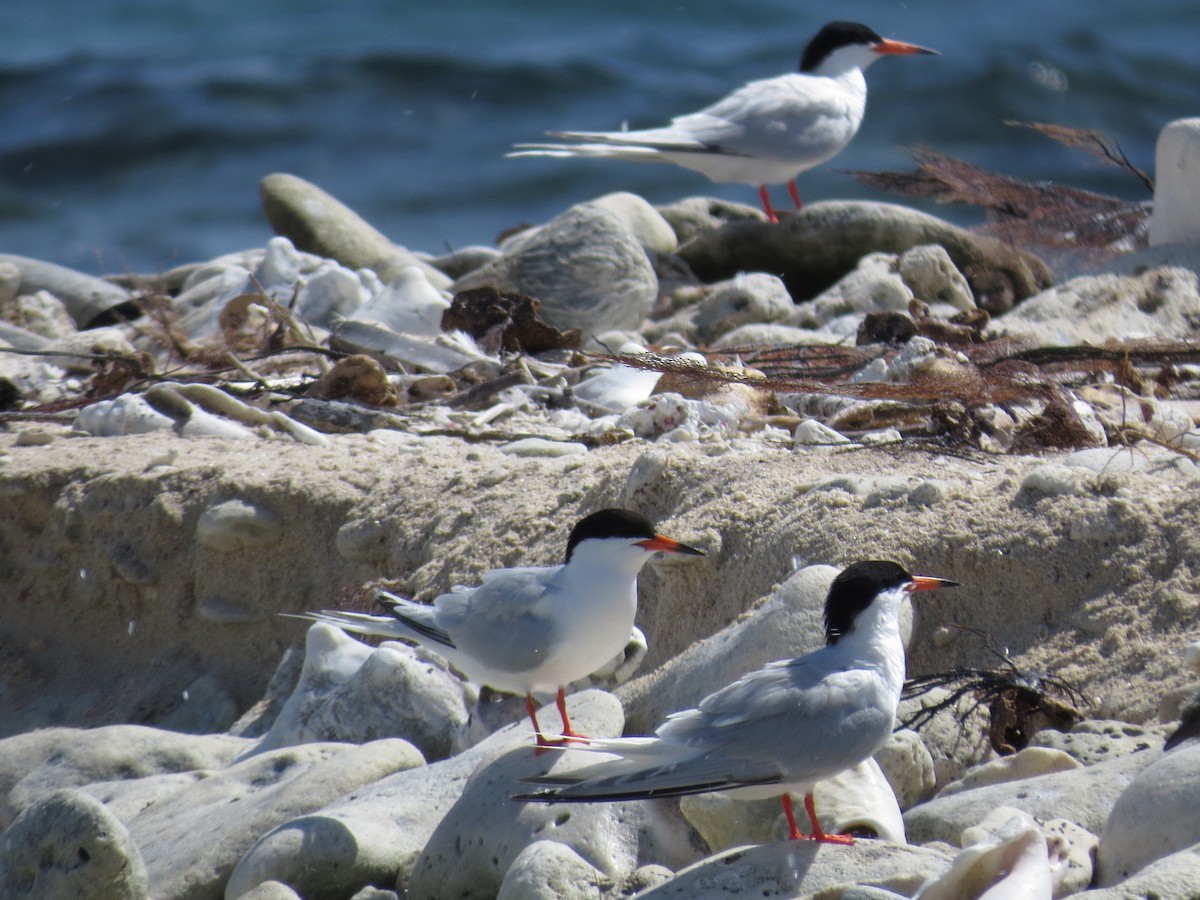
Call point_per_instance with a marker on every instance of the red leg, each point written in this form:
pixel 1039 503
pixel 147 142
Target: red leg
pixel 766 202
pixel 795 193
pixel 537 729
pixel 568 732
pixel 793 831
pixel 817 833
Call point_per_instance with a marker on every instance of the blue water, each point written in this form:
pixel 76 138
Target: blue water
pixel 133 133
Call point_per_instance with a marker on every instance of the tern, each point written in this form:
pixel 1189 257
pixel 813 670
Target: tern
pixel 766 132
pixel 779 729
pixel 527 630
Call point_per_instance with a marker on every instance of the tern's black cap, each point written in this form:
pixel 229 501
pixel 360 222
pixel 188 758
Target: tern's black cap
pixel 832 37
pixel 610 523
pixel 854 589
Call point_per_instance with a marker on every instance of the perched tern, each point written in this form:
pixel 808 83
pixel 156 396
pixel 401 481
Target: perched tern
pixel 526 630
pixel 781 728
pixel 766 132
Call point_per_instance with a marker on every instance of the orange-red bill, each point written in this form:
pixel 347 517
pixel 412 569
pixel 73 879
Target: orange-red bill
pixel 903 49
pixel 668 545
pixel 927 583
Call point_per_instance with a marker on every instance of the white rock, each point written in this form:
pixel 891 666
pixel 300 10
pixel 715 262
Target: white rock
pixel 541 447
pixel 908 766
pixel 127 414
pixel 409 305
pixel 932 276
pixel 585 267
pixel 1082 796
pixel 1154 816
pixel 1172 876
pixel 873 286
pixel 67 844
pixel 192 840
pixel 1095 308
pixel 548 870
pixel 1056 480
pixel 1176 217
pixel 474 845
pixel 386 825
pixel 350 691
pixel 643 221
pixel 237 525
pixel 801 869
pixel 38 762
pixel 1010 862
pixel 1024 764
pixel 811 432
pixel 756 297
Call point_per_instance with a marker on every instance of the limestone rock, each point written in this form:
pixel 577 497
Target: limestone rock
pixel 39 762
pixel 386 825
pixel 1082 796
pixel 67 844
pixel 586 268
pixel 192 840
pixel 822 242
pixel 801 869
pixel 1154 816
pixel 548 870
pixel 350 691
pixel 91 301
pixel 1158 302
pixel 1176 217
pixel 318 223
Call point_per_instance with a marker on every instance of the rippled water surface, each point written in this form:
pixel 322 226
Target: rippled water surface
pixel 133 133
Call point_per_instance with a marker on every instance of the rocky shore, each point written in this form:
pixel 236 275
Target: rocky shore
pixel 188 455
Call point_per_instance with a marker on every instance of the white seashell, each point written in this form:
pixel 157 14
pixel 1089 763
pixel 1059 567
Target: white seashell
pixel 812 432
pixel 127 414
pixel 408 305
pixel 1010 862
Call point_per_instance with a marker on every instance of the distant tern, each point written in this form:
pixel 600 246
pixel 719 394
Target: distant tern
pixel 527 630
pixel 779 729
pixel 766 132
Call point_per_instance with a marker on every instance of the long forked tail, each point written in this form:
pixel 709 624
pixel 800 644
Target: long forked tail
pixel 588 151
pixel 359 623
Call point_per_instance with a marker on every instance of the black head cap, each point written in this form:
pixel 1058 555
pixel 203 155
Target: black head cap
pixel 832 37
pixel 854 589
pixel 610 523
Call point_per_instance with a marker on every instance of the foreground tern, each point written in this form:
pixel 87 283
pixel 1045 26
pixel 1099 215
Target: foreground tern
pixel 533 629
pixel 780 729
pixel 766 132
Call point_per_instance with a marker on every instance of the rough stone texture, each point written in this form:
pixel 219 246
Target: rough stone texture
pixel 351 691
pixel 822 242
pixel 1156 302
pixel 1081 796
pixel 1154 817
pixel 379 833
pixel 318 223
pixel 37 763
pixel 68 844
pixel 585 266
pixel 1106 608
pixel 91 301
pixel 548 870
pixel 226 812
pixel 476 842
pixel 1176 217
pixel 801 869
